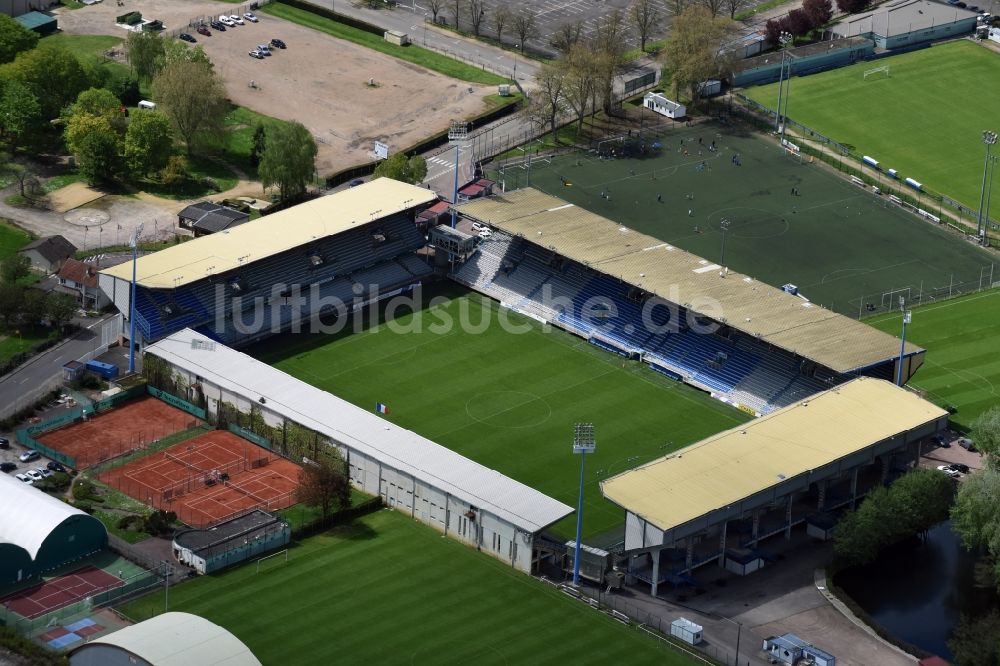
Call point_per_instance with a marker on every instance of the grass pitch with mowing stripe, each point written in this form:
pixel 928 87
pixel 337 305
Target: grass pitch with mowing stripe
pixel 387 590
pixel 962 366
pixel 507 400
pixel 925 120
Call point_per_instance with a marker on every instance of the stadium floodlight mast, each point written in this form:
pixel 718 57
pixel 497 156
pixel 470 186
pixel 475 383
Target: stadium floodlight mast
pixel 784 39
pixel 907 317
pixel 134 242
pixel 989 139
pixel 724 225
pixel 583 443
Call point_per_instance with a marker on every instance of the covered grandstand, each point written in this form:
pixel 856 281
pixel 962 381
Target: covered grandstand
pixel 39 533
pixel 747 343
pixel 254 280
pixel 716 500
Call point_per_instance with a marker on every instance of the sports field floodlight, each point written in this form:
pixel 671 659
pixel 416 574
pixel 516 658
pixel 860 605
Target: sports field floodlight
pixel 784 39
pixel 583 443
pixel 907 317
pixel 134 242
pixel 989 139
pixel 724 226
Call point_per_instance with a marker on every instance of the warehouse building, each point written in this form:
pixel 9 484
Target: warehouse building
pixel 716 500
pixel 902 23
pixel 461 498
pixel 39 533
pixel 170 639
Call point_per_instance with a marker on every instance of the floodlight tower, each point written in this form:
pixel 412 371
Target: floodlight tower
pixel 134 242
pixel 458 136
pixel 784 39
pixel 724 225
pixel 583 443
pixel 989 138
pixel 907 316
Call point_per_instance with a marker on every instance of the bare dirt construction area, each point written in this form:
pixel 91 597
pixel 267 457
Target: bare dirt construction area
pixel 320 81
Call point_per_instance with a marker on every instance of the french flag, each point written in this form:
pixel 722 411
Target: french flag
pixel 381 408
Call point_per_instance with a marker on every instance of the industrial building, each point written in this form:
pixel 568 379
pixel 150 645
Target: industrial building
pixel 231 541
pixel 170 639
pixel 39 533
pixel 802 60
pixel 902 23
pixel 715 501
pixel 463 499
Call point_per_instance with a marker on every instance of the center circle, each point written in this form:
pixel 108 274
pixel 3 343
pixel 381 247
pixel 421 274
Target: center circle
pixel 508 409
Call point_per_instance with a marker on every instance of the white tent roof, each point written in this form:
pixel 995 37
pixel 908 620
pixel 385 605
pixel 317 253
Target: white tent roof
pixel 363 431
pixel 179 639
pixel 28 516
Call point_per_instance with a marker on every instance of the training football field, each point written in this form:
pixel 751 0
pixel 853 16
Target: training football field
pixel 387 590
pixel 509 399
pixel 842 246
pixel 961 337
pixel 925 120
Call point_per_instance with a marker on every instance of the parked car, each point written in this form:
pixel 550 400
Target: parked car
pixel 24 478
pixel 216 25
pixel 7 467
pixel 966 444
pixel 56 467
pixel 235 18
pixel 960 467
pixel 478 226
pixel 250 16
pixel 29 456
pixel 485 234
pixel 187 38
pixel 264 48
pixel 202 30
pixel 256 54
pixel 278 43
pixel 4 443
pixel 949 471
pixel 34 475
pixel 226 21
pixel 44 472
pixel 356 182
pixel 973 8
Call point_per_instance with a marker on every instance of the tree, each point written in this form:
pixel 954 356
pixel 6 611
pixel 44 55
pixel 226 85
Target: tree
pixel 175 172
pixel 193 98
pixel 177 51
pixel 97 146
pixel 975 640
pixel 548 99
pixel 524 26
pixel 798 22
pixel 500 20
pixel 694 50
pixel 398 167
pixel 258 143
pixel 97 102
pixel 734 6
pixel 477 13
pixel 324 483
pixel 566 36
pixel 772 31
pixel 14 38
pixel 609 45
pixel 10 303
pixel 435 6
pixel 20 113
pixel 148 142
pixel 852 6
pixel 60 308
pixel 456 13
pixel 976 513
pixel 819 11
pixel 986 433
pixel 645 18
pixel 34 307
pixel 146 53
pixel 14 268
pixel 579 65
pixel 53 75
pixel 713 6
pixel 289 159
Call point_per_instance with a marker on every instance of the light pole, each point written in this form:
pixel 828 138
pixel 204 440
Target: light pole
pixel 131 306
pixel 724 225
pixel 583 443
pixel 989 138
pixel 907 315
pixel 783 40
pixel 739 632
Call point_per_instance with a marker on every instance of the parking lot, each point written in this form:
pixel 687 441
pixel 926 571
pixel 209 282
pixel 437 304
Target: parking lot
pixel 319 81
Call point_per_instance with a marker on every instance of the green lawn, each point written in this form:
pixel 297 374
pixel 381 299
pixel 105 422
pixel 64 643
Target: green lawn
pixel 834 241
pixel 13 343
pixel 90 47
pixel 961 337
pixel 12 239
pixel 509 400
pixel 925 121
pixel 417 55
pixel 387 590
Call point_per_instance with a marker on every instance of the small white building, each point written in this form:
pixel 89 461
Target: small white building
pixel 686 630
pixel 663 106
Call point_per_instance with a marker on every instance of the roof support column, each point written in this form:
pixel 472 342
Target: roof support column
pixel 821 486
pixel 722 545
pixel 755 530
pixel 689 557
pixel 885 467
pixel 655 579
pixel 788 517
pixel 854 486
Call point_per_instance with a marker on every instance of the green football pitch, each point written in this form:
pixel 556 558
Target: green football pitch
pixel 961 337
pixel 509 399
pixel 387 590
pixel 840 245
pixel 925 120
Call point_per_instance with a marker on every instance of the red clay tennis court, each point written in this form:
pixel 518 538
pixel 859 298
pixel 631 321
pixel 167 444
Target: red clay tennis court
pixel 209 477
pixel 60 591
pixel 120 430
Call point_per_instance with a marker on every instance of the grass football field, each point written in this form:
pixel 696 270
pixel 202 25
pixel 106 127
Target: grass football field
pixel 387 590
pixel 836 242
pixel 925 120
pixel 962 366
pixel 509 400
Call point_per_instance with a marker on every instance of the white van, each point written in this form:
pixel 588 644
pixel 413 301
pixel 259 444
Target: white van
pixel 146 104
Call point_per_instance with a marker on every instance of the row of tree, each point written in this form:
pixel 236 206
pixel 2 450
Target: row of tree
pixel 799 21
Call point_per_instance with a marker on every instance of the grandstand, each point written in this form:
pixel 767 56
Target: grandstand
pixel 747 343
pixel 338 251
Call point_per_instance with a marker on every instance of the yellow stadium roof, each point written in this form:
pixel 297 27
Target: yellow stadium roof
pixel 272 234
pixel 732 465
pixel 789 322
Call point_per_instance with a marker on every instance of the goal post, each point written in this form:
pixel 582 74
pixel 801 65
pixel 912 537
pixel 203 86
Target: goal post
pixel 876 71
pixel 272 561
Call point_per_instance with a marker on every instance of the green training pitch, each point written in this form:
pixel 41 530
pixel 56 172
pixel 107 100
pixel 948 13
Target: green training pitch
pixel 387 590
pixel 962 366
pixel 925 120
pixel 509 400
pixel 836 242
